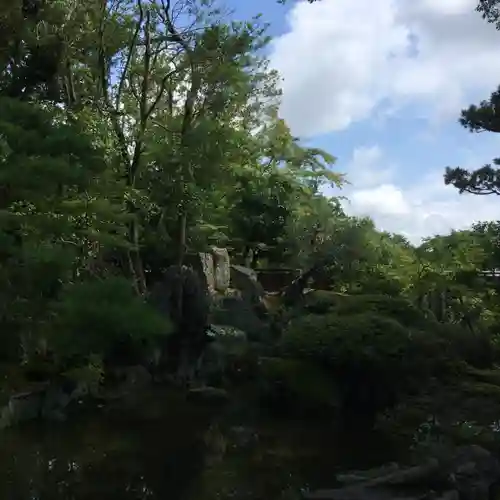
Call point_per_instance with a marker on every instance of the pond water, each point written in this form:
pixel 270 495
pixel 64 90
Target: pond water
pixel 161 446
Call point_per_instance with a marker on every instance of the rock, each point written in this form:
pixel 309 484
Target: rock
pixel 136 376
pixel 245 279
pixel 221 269
pixel 47 401
pixel 203 264
pixel 359 476
pixel 213 267
pixel 450 495
pixel 244 306
pixel 227 345
pixel 209 394
pixel 241 314
pixel 473 471
pixel 24 406
pixel 242 436
pixel 274 280
pixel 54 401
pixel 228 331
pixel 181 350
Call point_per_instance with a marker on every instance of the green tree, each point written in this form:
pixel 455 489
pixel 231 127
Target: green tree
pixel 57 207
pixel 484 117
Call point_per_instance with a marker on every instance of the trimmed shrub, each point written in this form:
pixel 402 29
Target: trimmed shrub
pixel 398 308
pixel 374 359
pixel 297 387
pixel 99 317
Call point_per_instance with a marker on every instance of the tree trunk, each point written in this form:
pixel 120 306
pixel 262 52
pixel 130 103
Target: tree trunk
pixel 181 237
pixel 134 256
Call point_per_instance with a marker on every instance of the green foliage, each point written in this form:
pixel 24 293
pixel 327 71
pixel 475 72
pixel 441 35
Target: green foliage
pixel 93 317
pixel 90 375
pixel 127 138
pixel 490 9
pixel 478 349
pixel 297 387
pixel 398 308
pixel 375 359
pixel 321 301
pixel 331 338
pixel 482 118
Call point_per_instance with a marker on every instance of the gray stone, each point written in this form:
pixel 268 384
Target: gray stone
pixel 474 470
pixel 213 267
pixel 241 314
pixel 209 394
pixel 25 406
pixel 229 331
pixel 48 401
pixel 203 264
pixel 471 471
pixel 245 279
pixel 54 400
pixel 137 376
pixel 221 269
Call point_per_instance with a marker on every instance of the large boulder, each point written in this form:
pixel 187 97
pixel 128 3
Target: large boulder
pixel 213 267
pixel 229 357
pixel 184 347
pixel 242 314
pixel 245 279
pixel 467 473
pixel 275 280
pixel 473 471
pixel 203 264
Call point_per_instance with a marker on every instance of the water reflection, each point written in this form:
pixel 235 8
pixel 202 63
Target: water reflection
pixel 142 453
pixel 163 447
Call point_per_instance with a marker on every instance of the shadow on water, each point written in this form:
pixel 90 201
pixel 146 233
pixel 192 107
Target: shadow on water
pixel 164 447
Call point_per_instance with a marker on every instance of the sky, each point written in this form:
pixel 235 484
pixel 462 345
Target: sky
pixel 380 85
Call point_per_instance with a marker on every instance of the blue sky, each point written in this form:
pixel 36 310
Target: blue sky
pixel 380 85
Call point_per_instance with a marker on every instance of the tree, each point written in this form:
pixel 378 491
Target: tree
pixel 482 118
pixel 490 10
pixel 485 180
pixel 56 207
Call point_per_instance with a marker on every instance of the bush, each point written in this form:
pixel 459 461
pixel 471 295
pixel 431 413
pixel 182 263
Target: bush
pixel 94 317
pixel 321 301
pixel 375 359
pixel 297 387
pixel 398 308
pixel 478 349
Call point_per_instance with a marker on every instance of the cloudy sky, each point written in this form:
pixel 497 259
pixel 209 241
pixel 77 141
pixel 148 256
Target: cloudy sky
pixel 380 85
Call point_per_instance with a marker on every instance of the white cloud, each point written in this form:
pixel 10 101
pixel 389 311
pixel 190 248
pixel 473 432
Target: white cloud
pixel 424 209
pixel 368 168
pixel 342 60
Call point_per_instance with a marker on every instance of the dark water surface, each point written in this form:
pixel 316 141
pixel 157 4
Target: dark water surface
pixel 164 447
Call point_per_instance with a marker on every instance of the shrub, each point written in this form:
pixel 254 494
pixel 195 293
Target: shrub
pixel 478 349
pixel 375 359
pixel 94 317
pixel 297 387
pixel 398 308
pixel 321 301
